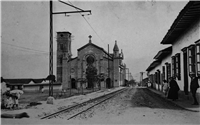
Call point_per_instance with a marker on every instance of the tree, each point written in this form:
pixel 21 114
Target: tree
pixel 132 82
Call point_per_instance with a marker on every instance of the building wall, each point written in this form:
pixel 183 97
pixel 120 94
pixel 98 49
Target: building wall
pixel 79 65
pixel 63 51
pixel 155 85
pixel 167 59
pixel 188 38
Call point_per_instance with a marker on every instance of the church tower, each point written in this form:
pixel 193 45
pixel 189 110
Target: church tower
pixel 116 61
pixel 63 54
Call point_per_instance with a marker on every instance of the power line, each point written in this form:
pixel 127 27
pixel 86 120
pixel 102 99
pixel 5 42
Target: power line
pixel 24 48
pixel 92 28
pixel 89 24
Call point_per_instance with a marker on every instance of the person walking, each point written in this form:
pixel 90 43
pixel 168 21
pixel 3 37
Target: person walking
pixel 173 89
pixel 165 87
pixel 193 88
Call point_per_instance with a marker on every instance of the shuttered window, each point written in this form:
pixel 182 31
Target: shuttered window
pixel 163 70
pixel 198 58
pixel 191 59
pixel 168 71
pixel 158 76
pixel 173 66
pixel 178 66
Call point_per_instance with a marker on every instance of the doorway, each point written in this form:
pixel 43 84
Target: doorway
pixel 73 83
pixel 108 83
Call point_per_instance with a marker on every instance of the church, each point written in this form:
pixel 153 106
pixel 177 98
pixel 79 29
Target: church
pixel 89 56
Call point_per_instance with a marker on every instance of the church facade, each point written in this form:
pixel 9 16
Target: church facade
pixel 89 56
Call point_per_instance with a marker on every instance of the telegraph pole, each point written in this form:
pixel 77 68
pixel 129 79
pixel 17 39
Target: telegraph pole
pixel 128 73
pixel 108 67
pixel 51 49
pixel 141 77
pixel 51 37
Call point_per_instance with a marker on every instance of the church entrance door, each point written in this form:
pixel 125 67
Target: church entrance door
pixel 108 83
pixel 73 83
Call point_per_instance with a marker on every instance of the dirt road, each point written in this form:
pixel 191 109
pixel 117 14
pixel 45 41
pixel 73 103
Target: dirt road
pixel 135 106
pixel 138 106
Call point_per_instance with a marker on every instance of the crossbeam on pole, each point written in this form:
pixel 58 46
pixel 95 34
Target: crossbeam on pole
pixel 89 11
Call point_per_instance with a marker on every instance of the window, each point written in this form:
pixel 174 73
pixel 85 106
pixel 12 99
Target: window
pixel 151 78
pixel 173 66
pixel 191 59
pixel 198 58
pixel 158 76
pixel 178 66
pixel 163 75
pixel 168 71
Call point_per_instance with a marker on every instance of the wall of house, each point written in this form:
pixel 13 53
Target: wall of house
pixel 159 67
pixel 167 59
pixel 188 38
pixel 155 85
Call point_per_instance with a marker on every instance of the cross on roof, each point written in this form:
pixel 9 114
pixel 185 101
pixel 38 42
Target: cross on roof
pixel 90 38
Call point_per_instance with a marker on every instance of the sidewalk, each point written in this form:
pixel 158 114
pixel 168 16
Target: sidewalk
pixel 44 109
pixel 184 101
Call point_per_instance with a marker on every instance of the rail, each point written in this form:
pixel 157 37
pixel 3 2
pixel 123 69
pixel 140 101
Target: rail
pixel 101 98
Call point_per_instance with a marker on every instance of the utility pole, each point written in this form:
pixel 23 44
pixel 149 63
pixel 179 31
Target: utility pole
pixel 141 77
pixel 128 73
pixel 51 37
pixel 108 68
pixel 51 49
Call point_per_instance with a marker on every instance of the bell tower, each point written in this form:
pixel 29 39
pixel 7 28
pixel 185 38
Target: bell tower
pixel 63 53
pixel 116 61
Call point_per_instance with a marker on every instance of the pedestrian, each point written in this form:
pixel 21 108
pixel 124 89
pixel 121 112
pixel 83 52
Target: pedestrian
pixel 165 87
pixel 149 84
pixel 193 88
pixel 173 89
pixel 42 89
pixel 16 93
pixel 7 101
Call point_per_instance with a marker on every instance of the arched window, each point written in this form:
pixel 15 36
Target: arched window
pixel 90 60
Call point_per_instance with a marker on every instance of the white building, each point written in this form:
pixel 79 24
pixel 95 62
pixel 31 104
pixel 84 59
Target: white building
pixel 184 37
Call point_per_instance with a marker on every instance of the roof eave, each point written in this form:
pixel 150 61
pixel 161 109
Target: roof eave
pixel 181 23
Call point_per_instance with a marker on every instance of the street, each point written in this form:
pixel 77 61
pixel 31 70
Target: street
pixel 138 106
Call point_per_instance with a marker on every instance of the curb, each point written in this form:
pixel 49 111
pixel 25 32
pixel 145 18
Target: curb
pixel 172 101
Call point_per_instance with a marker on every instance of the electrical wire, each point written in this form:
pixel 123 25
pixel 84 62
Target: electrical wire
pixel 25 49
pixel 89 25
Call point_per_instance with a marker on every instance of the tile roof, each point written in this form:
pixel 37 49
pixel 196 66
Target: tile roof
pixel 188 15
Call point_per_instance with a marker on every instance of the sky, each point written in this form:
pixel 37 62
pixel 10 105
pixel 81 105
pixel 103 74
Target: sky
pixel 137 26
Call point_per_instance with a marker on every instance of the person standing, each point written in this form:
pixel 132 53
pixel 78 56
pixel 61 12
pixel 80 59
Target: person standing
pixel 16 95
pixel 173 89
pixel 165 87
pixel 193 88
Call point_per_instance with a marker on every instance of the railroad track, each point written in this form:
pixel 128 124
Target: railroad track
pixel 73 111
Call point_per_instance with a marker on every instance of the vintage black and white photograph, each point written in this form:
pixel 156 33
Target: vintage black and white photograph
pixel 100 62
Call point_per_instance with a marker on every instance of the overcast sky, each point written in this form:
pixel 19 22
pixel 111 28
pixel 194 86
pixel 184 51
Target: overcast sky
pixel 137 26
